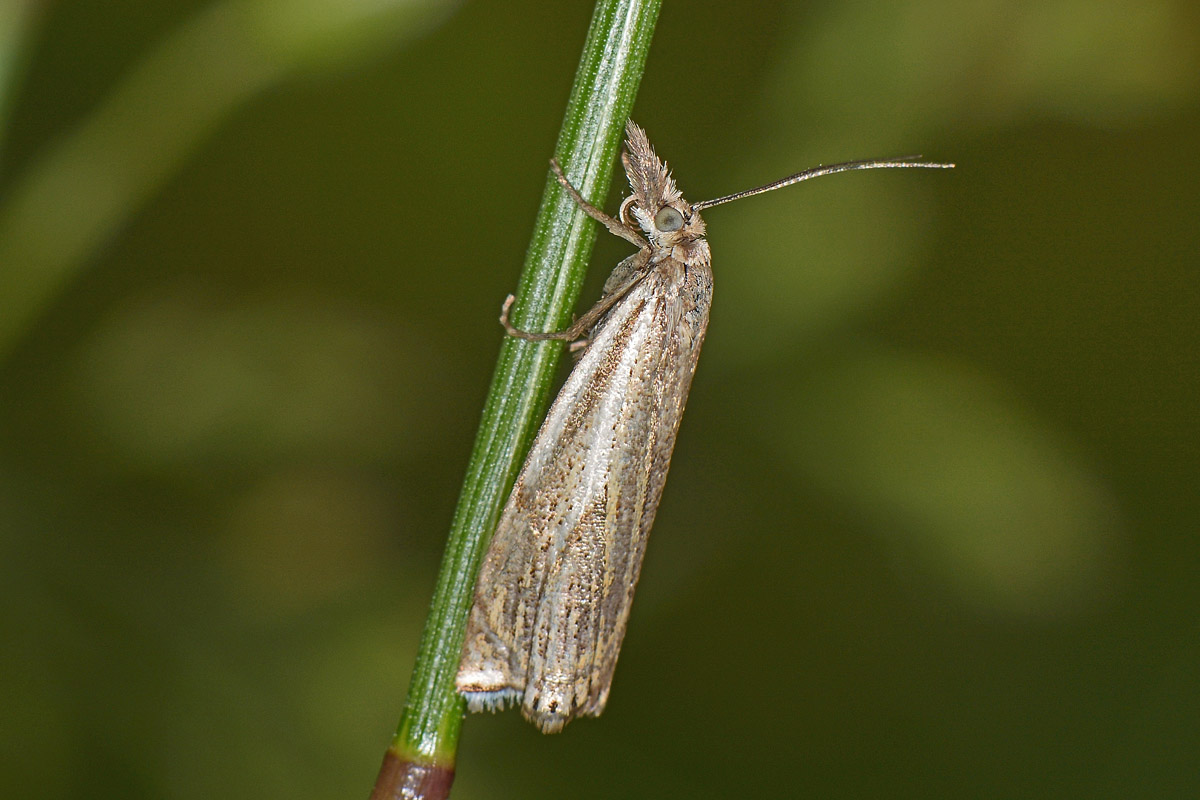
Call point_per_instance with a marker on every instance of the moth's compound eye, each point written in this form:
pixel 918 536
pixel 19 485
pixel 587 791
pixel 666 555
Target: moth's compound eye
pixel 668 219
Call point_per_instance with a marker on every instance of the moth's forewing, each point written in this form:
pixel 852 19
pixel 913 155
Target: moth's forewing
pixel 553 597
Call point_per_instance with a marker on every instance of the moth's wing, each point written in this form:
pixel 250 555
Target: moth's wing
pixel 553 596
pixel 603 447
pixel 544 532
pixel 624 439
pixel 639 473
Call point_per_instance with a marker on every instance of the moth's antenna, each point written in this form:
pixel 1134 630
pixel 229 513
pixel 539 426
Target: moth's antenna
pixel 817 172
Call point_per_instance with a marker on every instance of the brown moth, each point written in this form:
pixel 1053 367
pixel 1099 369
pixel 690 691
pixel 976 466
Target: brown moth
pixel 555 589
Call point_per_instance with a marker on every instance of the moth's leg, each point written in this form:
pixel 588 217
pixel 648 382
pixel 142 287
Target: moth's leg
pixel 581 326
pixel 576 331
pixel 615 226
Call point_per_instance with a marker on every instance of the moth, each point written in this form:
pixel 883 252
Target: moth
pixel 553 595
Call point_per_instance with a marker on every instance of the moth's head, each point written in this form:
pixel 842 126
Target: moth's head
pixel 656 206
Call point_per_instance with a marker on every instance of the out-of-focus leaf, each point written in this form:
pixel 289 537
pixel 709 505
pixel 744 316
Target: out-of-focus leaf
pixel 819 257
pixel 966 484
pixel 16 20
pixel 930 63
pixel 89 183
pixel 183 378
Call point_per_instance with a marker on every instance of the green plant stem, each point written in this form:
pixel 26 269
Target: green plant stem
pixel 605 84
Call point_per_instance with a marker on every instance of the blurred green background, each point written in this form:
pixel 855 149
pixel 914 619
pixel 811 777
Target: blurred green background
pixel 932 523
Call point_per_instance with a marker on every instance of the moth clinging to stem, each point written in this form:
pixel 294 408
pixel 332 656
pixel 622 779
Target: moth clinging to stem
pixel 553 595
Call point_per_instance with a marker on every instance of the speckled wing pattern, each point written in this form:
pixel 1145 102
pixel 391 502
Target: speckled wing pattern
pixel 555 589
